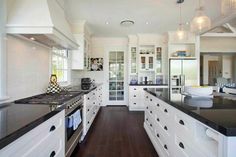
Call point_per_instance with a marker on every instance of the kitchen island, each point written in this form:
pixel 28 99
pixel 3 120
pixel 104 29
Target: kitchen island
pixel 183 126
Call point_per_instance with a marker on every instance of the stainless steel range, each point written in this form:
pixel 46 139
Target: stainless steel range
pixel 72 102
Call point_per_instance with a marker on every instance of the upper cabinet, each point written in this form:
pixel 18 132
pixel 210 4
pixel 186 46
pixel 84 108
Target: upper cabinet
pixel 81 56
pixel 147 58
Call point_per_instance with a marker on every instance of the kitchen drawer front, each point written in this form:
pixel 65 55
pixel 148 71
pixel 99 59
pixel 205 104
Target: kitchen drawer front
pixel 135 88
pixel 37 138
pixel 167 111
pixel 184 125
pixel 149 122
pixel 184 149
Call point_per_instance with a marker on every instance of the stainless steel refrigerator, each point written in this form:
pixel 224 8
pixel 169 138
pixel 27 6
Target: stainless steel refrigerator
pixel 183 72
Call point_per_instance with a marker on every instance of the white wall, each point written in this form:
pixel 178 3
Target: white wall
pixel 2 49
pixel 27 68
pixel 227 66
pixel 217 44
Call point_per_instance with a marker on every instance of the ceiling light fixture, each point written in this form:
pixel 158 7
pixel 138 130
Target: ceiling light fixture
pixel 181 33
pixel 201 21
pixel 228 6
pixel 107 23
pixel 127 23
pixel 32 38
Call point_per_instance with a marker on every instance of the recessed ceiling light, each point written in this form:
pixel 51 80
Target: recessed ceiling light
pixel 32 38
pixel 147 23
pixel 107 23
pixel 127 23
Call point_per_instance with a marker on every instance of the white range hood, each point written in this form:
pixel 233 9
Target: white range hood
pixel 41 20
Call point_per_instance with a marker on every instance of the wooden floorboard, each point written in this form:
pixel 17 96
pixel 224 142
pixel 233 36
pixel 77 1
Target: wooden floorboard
pixel 117 133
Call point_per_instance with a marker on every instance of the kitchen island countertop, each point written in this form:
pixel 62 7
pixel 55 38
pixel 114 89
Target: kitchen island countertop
pixel 218 112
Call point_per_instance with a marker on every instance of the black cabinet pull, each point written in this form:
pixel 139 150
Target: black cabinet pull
pixel 135 89
pixel 52 128
pixel 158 105
pixel 88 109
pixel 181 122
pixel 181 145
pixel 53 153
pixel 93 102
pixel 93 112
pixel 158 119
pixel 150 125
pixel 150 99
pixel 165 146
pixel 134 96
pixel 151 112
pixel 158 135
pixel 165 127
pixel 93 93
pixel 146 96
pixel 88 122
pixel 147 107
pixel 166 111
pixel 88 98
pixel 146 119
pixel 134 103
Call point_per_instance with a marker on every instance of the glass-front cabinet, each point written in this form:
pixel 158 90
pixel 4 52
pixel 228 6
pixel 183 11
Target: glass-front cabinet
pixel 146 62
pixel 116 76
pixel 158 60
pixel 133 58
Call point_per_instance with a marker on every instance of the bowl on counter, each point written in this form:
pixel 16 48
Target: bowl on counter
pixel 200 91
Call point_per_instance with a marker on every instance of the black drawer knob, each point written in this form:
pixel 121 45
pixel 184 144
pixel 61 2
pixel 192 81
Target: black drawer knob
pixel 88 98
pixel 52 128
pixel 134 96
pixel 147 107
pixel 181 145
pixel 88 109
pixel 150 99
pixel 181 122
pixel 158 105
pixel 93 102
pixel 93 112
pixel 135 89
pixel 88 122
pixel 146 96
pixel 150 125
pixel 158 119
pixel 151 112
pixel 165 146
pixel 53 153
pixel 146 119
pixel 134 103
pixel 93 93
pixel 158 135
pixel 165 127
pixel 166 111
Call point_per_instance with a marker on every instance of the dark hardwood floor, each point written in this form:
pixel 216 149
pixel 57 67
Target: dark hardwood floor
pixel 117 133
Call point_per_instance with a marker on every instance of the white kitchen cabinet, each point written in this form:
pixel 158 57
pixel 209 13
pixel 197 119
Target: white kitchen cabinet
pixel 176 134
pixel 92 104
pixel 80 57
pixel 136 97
pixel 146 62
pixel 47 139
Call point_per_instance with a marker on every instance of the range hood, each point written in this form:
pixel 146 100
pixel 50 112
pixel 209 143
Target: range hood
pixel 41 20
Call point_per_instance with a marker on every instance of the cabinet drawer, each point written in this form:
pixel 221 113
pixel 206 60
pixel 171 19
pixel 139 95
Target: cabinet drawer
pixel 149 121
pixel 184 125
pixel 184 149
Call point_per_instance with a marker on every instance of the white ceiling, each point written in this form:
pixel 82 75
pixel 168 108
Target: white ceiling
pixel 162 15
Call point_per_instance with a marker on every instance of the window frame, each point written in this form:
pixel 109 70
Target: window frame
pixel 67 58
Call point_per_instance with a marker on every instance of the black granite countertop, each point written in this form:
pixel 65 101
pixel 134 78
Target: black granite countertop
pixel 18 119
pixel 78 88
pixel 218 112
pixel 148 84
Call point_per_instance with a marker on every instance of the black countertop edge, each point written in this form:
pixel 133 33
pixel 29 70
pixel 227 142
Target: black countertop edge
pixel 17 134
pixel 148 84
pixel 217 127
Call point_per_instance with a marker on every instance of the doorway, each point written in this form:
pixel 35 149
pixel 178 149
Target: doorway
pixel 116 87
pixel 213 72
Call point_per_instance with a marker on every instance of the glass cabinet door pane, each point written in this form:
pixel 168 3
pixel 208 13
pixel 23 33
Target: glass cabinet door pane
pixel 150 62
pixel 143 62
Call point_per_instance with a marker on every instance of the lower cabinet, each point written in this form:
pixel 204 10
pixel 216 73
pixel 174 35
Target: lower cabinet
pixel 92 103
pixel 42 141
pixel 176 134
pixel 136 97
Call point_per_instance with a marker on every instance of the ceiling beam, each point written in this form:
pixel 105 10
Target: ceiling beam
pixel 230 27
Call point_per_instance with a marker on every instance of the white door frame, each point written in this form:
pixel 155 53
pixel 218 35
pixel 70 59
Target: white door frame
pixel 106 76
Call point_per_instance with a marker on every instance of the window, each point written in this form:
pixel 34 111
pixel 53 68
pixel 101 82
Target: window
pixel 60 65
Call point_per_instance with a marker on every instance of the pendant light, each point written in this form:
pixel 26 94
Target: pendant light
pixel 228 6
pixel 181 33
pixel 201 21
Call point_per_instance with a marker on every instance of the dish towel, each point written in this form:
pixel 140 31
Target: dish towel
pixel 76 119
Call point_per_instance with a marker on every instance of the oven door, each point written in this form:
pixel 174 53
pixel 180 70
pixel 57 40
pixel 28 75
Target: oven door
pixel 73 135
